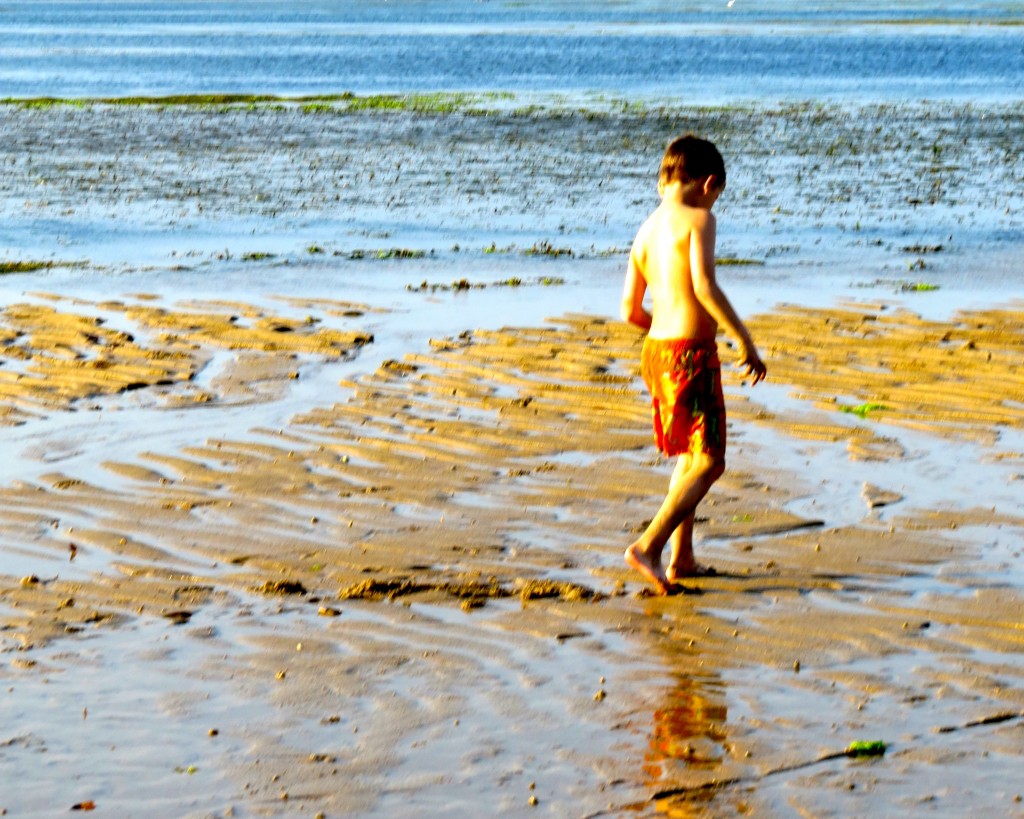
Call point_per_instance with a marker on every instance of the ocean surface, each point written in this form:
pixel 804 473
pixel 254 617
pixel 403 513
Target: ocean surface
pixel 702 51
pixel 866 140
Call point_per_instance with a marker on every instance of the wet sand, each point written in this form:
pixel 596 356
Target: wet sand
pixel 274 555
pixel 417 590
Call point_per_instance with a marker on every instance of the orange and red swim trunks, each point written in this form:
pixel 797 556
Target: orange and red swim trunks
pixel 684 377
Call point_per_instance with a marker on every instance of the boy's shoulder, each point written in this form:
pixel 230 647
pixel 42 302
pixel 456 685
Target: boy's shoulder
pixel 690 214
pixel 648 232
pixel 676 219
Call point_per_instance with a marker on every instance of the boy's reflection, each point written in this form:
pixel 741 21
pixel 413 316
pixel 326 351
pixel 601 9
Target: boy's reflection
pixel 689 731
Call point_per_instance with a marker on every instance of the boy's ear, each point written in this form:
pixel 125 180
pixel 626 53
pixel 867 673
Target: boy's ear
pixel 661 186
pixel 710 183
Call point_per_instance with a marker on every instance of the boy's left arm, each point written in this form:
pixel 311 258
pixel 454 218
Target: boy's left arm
pixel 705 287
pixel 632 309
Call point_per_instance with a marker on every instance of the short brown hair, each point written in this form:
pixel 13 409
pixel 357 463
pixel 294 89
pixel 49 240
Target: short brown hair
pixel 688 158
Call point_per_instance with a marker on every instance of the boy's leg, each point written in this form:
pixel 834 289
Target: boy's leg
pixel 691 480
pixel 681 562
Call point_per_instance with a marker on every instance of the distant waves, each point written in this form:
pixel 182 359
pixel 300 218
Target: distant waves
pixel 102 49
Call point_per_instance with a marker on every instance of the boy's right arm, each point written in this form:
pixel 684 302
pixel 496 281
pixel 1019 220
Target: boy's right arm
pixel 710 295
pixel 632 308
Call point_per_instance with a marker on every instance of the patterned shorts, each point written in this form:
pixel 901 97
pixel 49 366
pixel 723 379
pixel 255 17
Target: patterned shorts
pixel 684 377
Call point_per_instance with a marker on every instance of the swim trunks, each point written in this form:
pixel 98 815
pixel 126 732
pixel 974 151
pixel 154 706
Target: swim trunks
pixel 684 377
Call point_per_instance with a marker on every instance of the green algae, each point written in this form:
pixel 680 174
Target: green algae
pixel 45 102
pixel 434 103
pixel 866 748
pixel 863 410
pixel 420 103
pixel 460 285
pixel 902 285
pixel 24 267
pixel 545 248
pixel 190 100
pixel 317 108
pixel 382 254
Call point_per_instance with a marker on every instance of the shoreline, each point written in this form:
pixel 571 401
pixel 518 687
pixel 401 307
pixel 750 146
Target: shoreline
pixel 116 190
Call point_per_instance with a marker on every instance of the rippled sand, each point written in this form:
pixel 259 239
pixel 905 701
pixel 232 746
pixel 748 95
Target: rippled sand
pixel 412 600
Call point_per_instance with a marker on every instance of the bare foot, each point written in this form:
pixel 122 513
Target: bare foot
pixel 676 573
pixel 648 568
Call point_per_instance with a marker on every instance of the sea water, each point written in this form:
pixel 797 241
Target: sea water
pixel 756 53
pixel 703 51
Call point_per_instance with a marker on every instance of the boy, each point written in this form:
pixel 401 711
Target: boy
pixel 673 257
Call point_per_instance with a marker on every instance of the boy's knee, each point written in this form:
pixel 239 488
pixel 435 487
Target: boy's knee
pixel 712 464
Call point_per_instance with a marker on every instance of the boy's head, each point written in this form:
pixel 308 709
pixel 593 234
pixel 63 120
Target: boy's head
pixel 691 159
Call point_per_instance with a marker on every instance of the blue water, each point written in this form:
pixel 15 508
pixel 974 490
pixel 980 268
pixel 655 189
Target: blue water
pixel 81 191
pixel 693 51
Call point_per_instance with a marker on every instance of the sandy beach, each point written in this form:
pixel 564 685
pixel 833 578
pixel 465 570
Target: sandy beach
pixel 310 510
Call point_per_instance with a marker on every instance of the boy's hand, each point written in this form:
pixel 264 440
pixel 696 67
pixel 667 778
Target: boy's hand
pixel 751 363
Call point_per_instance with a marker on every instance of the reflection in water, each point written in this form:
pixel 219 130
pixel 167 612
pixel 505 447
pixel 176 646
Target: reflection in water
pixel 688 738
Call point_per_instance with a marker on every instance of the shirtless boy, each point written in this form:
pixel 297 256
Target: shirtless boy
pixel 673 257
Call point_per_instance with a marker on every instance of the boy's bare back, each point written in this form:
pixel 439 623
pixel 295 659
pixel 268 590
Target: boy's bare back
pixel 673 252
pixel 673 256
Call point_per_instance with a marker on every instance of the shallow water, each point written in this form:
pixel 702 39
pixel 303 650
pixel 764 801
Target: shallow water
pixel 71 719
pixel 817 195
